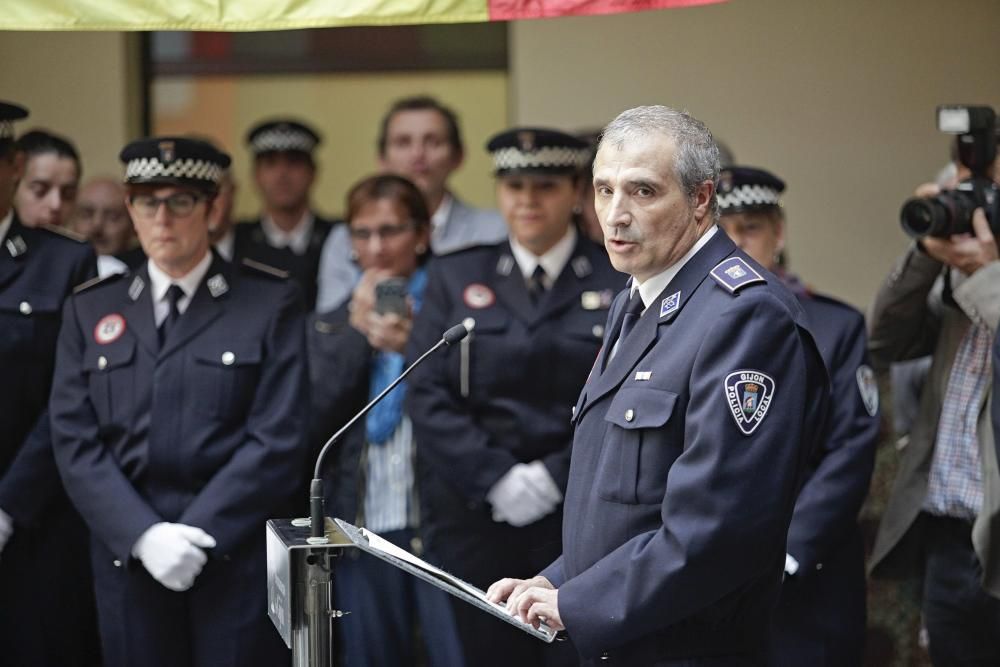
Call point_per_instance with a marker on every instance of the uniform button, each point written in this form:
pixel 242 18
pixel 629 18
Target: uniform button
pixel 598 331
pixel 25 308
pixel 102 362
pixel 605 656
pixel 629 415
pixel 228 358
pixel 819 566
pixel 116 563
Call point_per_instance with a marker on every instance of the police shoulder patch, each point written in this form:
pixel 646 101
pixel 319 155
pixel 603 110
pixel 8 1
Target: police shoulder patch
pixel 94 282
pixel 868 387
pixel 749 394
pixel 734 273
pixel 266 269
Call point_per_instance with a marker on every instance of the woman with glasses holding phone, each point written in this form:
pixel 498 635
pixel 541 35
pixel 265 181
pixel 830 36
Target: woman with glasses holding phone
pixel 355 351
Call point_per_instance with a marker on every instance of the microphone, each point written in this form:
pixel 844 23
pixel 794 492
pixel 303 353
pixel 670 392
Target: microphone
pixel 316 509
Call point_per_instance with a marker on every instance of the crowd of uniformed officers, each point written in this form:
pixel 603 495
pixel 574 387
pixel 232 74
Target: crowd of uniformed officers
pixel 170 376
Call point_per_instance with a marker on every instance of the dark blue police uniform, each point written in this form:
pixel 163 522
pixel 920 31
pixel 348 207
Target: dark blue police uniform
pixel 502 396
pixel 820 618
pixel 687 457
pixel 250 242
pixel 207 431
pixel 46 604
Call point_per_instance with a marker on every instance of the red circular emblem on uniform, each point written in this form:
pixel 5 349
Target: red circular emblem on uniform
pixel 478 296
pixel 109 329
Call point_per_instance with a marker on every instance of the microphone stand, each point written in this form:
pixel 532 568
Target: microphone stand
pixel 299 570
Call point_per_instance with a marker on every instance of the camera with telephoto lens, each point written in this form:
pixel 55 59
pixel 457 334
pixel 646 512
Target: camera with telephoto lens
pixel 950 212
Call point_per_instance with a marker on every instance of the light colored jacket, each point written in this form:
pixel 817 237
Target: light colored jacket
pixel 906 324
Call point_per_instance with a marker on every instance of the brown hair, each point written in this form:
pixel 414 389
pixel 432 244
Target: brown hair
pixel 421 103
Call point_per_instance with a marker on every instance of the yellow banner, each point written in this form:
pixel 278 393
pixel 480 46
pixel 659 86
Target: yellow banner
pixel 231 15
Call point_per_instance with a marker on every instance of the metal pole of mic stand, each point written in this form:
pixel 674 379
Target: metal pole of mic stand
pixel 300 554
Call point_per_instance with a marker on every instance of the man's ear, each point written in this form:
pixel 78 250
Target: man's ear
pixel 702 200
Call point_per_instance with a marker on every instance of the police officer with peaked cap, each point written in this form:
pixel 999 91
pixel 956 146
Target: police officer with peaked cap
pixel 491 415
pixel 178 421
pixel 820 618
pixel 46 605
pixel 288 234
pixel 692 431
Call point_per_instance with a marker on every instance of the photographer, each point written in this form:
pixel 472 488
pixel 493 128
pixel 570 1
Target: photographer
pixel 945 504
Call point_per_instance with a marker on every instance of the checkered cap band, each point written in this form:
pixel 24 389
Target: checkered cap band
pixel 282 139
pixel 747 196
pixel 548 157
pixel 145 169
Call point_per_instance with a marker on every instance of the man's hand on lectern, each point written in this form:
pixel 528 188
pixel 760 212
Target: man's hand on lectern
pixel 532 600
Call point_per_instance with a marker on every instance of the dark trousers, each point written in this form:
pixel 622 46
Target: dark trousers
pixel 386 605
pixel 472 546
pixel 220 622
pixel 47 614
pixel 963 621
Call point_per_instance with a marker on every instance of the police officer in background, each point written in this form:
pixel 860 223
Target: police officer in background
pixel 288 234
pixel 491 415
pixel 46 605
pixel 820 618
pixel 178 419
pixel 692 431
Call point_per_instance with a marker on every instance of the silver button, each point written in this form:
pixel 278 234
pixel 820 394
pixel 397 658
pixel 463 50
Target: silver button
pixel 598 331
pixel 819 566
pixel 102 362
pixel 228 358
pixel 629 415
pixel 25 308
pixel 116 563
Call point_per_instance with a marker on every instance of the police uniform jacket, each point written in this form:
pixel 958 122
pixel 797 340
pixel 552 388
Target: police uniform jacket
pixel 250 242
pixel 822 610
pixel 38 269
pixel 904 326
pixel 504 394
pixel 687 456
pixel 207 431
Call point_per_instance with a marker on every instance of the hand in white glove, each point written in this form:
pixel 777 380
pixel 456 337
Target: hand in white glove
pixel 172 553
pixel 6 528
pixel 524 495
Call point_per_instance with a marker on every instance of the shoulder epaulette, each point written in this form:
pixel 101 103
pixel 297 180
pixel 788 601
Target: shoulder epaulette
pixel 62 231
pixel 94 282
pixel 734 273
pixel 265 269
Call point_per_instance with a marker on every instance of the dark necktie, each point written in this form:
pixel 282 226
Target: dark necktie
pixel 536 284
pixel 633 310
pixel 174 295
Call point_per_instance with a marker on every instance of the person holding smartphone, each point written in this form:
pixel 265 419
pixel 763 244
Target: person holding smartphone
pixel 355 352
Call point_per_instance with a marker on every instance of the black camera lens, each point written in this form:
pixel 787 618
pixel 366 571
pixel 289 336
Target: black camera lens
pixel 925 217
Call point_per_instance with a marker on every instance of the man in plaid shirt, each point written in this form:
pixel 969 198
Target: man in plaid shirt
pixel 942 521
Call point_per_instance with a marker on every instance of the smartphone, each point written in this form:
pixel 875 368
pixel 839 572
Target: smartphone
pixel 390 297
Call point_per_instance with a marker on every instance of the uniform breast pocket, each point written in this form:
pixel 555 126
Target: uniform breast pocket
pixel 111 378
pixel 225 379
pixel 627 473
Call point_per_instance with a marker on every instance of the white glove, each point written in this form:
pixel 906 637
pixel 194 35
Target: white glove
pixel 524 495
pixel 791 565
pixel 6 528
pixel 172 553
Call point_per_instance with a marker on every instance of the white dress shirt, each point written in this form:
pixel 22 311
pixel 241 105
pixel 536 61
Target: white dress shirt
pixel 552 262
pixel 5 224
pixel 297 240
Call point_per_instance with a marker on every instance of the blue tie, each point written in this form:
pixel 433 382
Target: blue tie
pixel 633 310
pixel 174 294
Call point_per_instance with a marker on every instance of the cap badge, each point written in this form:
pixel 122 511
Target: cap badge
pixel 526 140
pixel 167 152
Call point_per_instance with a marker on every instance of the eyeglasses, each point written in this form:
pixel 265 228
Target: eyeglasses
pixel 383 232
pixel 180 204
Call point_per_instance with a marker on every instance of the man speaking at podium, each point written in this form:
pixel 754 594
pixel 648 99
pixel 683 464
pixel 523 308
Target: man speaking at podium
pixel 692 430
